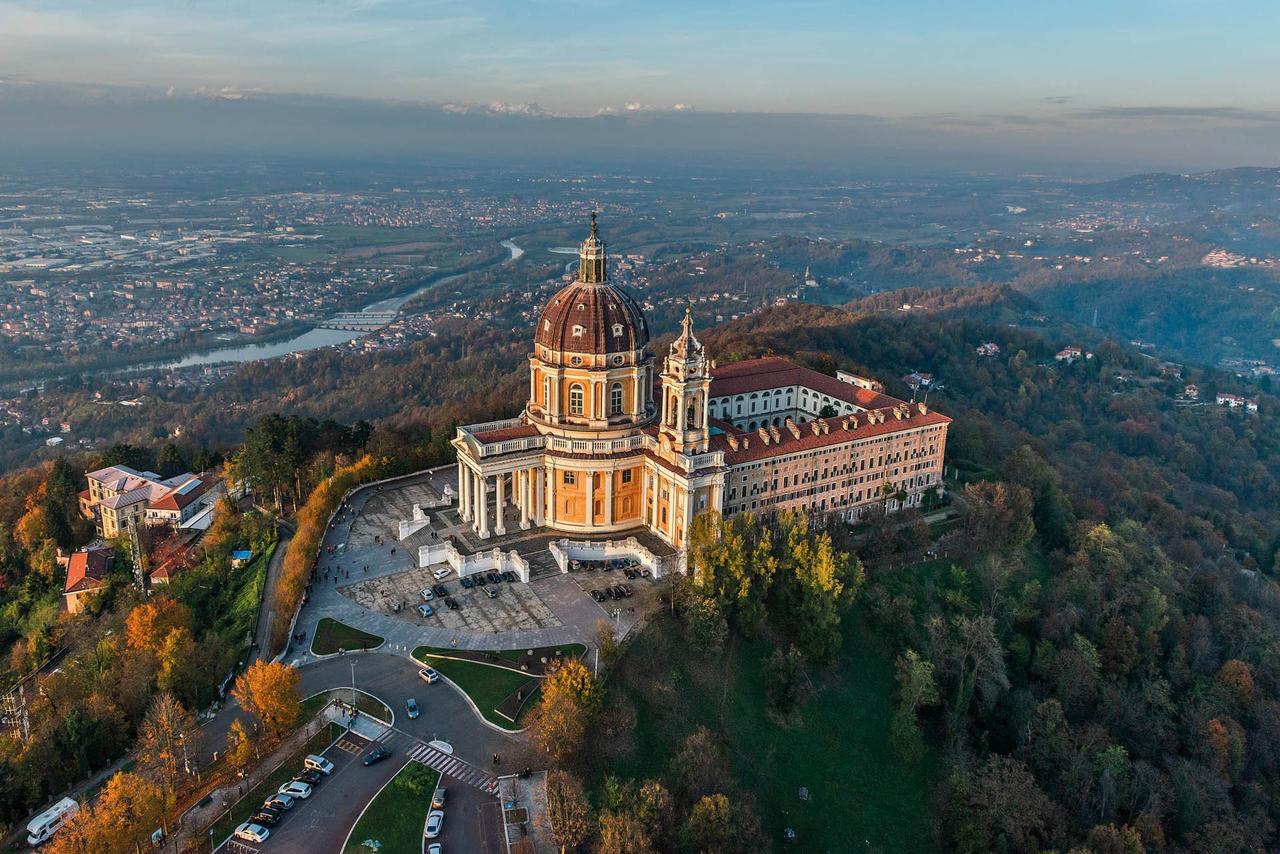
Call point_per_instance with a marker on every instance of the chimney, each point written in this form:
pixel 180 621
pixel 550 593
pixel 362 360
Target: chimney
pixel 773 431
pixel 733 442
pixel 924 410
pixel 764 435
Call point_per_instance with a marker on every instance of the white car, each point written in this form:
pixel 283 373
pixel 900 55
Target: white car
pixel 435 823
pixel 441 573
pixel 428 593
pixel 429 675
pixel 434 848
pixel 318 763
pixel 251 832
pixel 295 789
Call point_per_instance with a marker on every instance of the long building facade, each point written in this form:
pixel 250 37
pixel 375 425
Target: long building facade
pixel 611 440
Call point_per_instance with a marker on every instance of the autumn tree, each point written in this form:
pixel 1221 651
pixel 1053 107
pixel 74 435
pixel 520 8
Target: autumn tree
pixel 623 833
pixel 568 810
pixel 996 516
pixel 268 691
pixel 240 747
pixel 148 625
pixel 123 818
pixel 162 742
pixel 605 641
pixel 569 704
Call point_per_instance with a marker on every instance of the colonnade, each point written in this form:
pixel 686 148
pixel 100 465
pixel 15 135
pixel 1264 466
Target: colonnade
pixel 527 487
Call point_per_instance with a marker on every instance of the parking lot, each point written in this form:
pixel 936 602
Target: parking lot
pixel 590 576
pixel 517 605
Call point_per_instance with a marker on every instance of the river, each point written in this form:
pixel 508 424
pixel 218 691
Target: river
pixel 312 339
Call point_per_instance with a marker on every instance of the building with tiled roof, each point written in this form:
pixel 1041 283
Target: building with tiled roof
pixel 120 498
pixel 607 443
pixel 86 575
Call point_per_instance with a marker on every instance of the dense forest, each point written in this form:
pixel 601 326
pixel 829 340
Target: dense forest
pixel 1097 662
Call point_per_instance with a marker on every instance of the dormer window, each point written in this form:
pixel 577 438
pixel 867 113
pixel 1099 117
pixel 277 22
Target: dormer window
pixel 577 331
pixel 581 307
pixel 546 325
pixel 617 330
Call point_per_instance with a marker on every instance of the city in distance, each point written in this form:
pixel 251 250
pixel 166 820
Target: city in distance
pixel 690 429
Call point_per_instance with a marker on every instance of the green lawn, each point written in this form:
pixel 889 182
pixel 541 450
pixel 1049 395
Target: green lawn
pixel 862 797
pixel 486 686
pixel 248 805
pixel 332 636
pixel 366 703
pixel 394 820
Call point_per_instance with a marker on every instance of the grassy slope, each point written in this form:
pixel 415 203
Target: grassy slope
pixel 863 797
pixel 395 818
pixel 486 686
pixel 332 636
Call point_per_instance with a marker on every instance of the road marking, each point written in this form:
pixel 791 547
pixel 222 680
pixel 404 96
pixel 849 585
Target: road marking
pixel 349 746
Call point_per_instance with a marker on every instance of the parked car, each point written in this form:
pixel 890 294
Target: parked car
pixel 266 818
pixel 468 582
pixel 598 595
pixel 435 848
pixel 440 590
pixel 411 708
pixel 437 800
pixel 491 592
pixel 435 823
pixel 429 675
pixel 451 602
pixel 373 757
pixel 441 573
pixel 251 832
pixel 318 763
pixel 278 802
pixel 311 778
pixel 493 578
pixel 295 789
pixel 509 577
pixel 612 593
pixel 428 593
pixel 630 573
pixel 426 610
pixel 625 590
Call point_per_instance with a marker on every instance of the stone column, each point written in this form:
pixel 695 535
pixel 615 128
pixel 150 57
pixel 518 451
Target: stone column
pixel 526 497
pixel 466 507
pixel 608 498
pixel 591 512
pixel 551 476
pixel 482 507
pixel 539 505
pixel 500 528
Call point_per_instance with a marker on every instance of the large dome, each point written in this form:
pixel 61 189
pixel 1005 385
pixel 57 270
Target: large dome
pixel 591 315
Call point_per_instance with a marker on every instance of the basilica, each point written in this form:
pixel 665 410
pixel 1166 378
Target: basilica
pixel 613 441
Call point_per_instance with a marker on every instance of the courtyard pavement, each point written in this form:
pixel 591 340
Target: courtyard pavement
pixel 367 579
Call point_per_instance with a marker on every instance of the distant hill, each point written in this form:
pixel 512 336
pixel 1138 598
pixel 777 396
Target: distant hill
pixel 1224 186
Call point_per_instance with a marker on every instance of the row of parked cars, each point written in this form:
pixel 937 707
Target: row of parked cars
pixel 435 820
pixel 615 592
pixel 258 827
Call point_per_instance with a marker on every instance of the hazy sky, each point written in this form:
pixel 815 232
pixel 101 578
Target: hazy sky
pixel 887 58
pixel 1121 82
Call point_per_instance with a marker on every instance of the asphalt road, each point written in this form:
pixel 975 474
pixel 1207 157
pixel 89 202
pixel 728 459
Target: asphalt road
pixel 472 817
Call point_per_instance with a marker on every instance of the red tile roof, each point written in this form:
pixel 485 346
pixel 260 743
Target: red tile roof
pixel 87 569
pixel 756 449
pixel 773 371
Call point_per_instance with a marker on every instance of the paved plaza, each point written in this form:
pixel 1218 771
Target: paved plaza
pixel 369 580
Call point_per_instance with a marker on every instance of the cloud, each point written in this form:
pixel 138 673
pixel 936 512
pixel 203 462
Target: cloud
pixel 1056 99
pixel 1231 114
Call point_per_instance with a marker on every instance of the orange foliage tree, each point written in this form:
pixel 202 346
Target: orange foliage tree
pixel 269 692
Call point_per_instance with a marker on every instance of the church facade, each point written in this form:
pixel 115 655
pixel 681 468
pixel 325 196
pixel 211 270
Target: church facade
pixel 611 440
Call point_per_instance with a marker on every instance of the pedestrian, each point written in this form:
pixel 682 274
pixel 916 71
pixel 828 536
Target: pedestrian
pixel 496 759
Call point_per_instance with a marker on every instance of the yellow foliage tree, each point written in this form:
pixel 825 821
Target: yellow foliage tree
pixel 269 692
pixel 148 625
pixel 570 701
pixel 129 809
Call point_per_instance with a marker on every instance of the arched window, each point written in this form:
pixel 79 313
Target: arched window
pixel 615 399
pixel 575 399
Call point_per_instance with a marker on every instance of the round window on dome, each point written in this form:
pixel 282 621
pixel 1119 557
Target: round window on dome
pixel 617 360
pixel 576 360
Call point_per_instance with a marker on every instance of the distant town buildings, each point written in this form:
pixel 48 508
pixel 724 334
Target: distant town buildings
pixel 1235 401
pixel 1072 354
pixel 988 349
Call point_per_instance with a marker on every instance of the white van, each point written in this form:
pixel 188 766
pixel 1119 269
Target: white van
pixel 44 826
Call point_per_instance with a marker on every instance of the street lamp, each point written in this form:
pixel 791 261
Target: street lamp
pixel 353 684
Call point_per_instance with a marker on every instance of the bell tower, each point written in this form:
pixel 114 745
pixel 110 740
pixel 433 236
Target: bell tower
pixel 686 382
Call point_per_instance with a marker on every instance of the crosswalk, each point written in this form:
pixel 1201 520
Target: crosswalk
pixel 448 766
